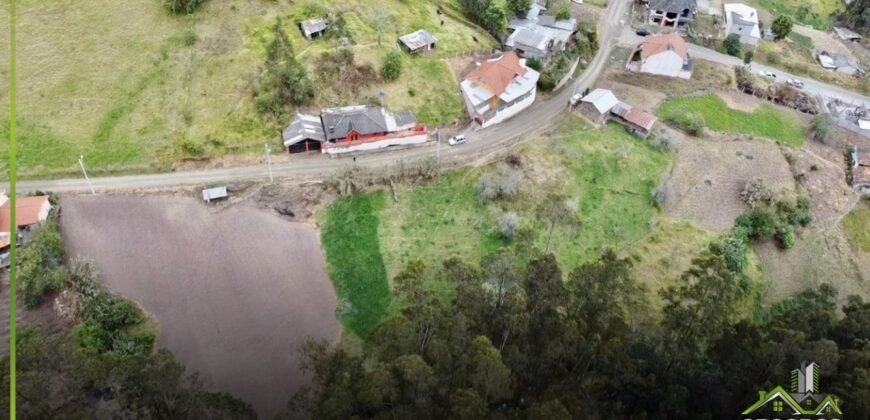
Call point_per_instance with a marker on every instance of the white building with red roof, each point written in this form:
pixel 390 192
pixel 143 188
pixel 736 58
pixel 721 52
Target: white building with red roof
pixel 663 55
pixel 29 211
pixel 499 88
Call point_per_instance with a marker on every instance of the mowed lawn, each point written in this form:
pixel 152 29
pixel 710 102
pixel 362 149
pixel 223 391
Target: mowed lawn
pixel 354 260
pixel 766 121
pixel 143 94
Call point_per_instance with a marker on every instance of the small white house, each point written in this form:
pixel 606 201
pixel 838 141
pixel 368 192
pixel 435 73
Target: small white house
pixel 663 55
pixel 742 20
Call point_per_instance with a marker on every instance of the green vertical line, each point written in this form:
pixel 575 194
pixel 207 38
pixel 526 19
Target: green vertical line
pixel 12 222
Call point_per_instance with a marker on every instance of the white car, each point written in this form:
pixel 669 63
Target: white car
pixel 457 140
pixel 575 99
pixel 766 73
pixel 796 83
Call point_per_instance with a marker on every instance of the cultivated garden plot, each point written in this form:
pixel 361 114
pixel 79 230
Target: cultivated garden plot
pixel 234 292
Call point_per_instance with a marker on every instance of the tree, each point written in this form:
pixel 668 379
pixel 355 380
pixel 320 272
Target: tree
pixel 562 10
pixel 731 45
pixel 392 68
pixel 518 7
pixel 508 224
pixel 782 26
pixel 747 56
pixel 557 209
pixel 756 193
pixel 285 81
pixel 380 19
pixel 489 376
pixel 821 127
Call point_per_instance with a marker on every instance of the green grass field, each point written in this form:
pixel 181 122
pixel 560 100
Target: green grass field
pixel 857 227
pixel 802 41
pixel 141 95
pixel 356 266
pixel 817 13
pixel 766 121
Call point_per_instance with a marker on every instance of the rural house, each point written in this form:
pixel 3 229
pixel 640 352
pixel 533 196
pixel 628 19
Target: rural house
pixel 597 104
pixel 840 63
pixel 742 20
pixel 352 129
pixel 846 35
pixel 29 211
pixel 663 55
pixel 418 41
pixel 499 88
pixel 313 28
pixel 671 13
pixel 538 36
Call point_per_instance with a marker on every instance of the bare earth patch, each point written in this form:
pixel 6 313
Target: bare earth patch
pixel 741 101
pixel 235 291
pixel 825 182
pixel 704 186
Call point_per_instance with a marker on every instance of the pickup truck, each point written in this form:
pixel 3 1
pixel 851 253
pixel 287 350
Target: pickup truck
pixel 575 99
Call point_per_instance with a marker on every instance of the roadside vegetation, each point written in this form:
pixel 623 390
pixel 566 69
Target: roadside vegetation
pixel 172 88
pixel 766 121
pixel 817 13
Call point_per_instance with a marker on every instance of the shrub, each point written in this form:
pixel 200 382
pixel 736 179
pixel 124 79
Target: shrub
pixel 664 142
pixel 535 64
pixel 508 225
pixel 182 7
pixel 764 222
pixel 731 45
pixel 733 248
pixel 821 127
pixel 506 184
pixel 785 236
pixel 40 263
pixel 755 193
pixel 774 58
pixel 392 68
pixel 692 122
pixel 782 26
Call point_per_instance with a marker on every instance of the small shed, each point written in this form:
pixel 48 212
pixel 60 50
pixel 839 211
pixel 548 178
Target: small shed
pixel 418 41
pixel 211 194
pixel 313 28
pixel 638 121
pixel 846 34
pixel 597 104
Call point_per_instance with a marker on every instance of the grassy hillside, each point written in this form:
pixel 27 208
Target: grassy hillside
pixel 135 89
pixel 766 121
pixel 857 227
pixel 816 13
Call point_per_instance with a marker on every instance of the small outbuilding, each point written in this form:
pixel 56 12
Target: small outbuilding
pixel 313 28
pixel 638 121
pixel 418 41
pixel 211 194
pixel 304 134
pixel 846 35
pixel 597 104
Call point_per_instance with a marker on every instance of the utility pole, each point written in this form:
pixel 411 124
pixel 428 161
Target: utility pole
pixel 269 163
pixel 85 173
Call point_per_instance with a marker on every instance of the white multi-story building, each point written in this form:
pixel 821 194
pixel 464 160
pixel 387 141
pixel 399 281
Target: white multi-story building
pixel 499 88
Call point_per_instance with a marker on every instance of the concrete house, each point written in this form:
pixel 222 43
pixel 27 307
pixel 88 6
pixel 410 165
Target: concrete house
pixel 499 88
pixel 663 55
pixel 671 13
pixel 29 212
pixel 418 41
pixel 352 129
pixel 742 20
pixel 538 36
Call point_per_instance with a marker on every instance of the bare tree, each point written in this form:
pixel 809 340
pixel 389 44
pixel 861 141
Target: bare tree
pixel 558 209
pixel 380 19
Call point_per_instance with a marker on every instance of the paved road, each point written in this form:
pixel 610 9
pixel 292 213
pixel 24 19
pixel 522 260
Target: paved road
pixel 628 38
pixel 612 31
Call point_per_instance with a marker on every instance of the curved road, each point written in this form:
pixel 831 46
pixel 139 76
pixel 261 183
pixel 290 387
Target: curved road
pixel 612 30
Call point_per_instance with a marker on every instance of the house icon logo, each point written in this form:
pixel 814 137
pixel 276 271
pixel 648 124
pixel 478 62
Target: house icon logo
pixel 804 399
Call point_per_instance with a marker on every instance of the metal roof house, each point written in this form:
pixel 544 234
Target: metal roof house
pixel 499 88
pixel 418 41
pixel 537 36
pixel 313 28
pixel 352 128
pixel 847 34
pixel 598 103
pixel 840 63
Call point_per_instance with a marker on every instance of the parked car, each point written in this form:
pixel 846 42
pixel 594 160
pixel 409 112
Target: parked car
pixel 457 140
pixel 796 83
pixel 575 99
pixel 766 73
pixel 642 32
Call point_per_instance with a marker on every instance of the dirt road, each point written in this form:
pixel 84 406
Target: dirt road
pixel 235 292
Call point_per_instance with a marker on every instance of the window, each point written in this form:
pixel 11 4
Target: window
pixel 777 406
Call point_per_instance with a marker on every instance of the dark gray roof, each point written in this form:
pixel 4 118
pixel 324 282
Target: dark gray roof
pixel 303 127
pixel 405 118
pixel 673 6
pixel 339 122
pixel 564 24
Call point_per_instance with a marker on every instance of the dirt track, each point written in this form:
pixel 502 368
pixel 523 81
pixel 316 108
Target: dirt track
pixel 235 292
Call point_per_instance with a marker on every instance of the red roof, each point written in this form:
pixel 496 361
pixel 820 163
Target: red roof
pixel 497 74
pixel 26 214
pixel 640 118
pixel 655 44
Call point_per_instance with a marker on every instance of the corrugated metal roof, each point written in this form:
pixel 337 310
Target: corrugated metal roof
pixel 209 194
pixel 602 99
pixel 339 122
pixel 303 127
pixel 313 26
pixel 418 39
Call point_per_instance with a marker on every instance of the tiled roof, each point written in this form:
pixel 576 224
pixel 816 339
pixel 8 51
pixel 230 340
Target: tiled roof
pixel 496 74
pixel 655 44
pixel 26 214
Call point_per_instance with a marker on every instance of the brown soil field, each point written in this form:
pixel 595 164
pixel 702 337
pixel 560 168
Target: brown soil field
pixel 235 290
pixel 704 186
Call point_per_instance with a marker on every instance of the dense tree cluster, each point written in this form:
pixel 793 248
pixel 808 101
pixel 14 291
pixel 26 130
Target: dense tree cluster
pixel 517 339
pixel 857 15
pixel 285 81
pixel 493 15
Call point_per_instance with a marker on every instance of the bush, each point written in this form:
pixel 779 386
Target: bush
pixel 506 184
pixel 182 7
pixel 40 263
pixel 731 45
pixel 785 236
pixel 821 127
pixel 664 142
pixel 508 225
pixel 692 122
pixel 782 26
pixel 392 68
pixel 535 64
pixel 733 248
pixel 755 193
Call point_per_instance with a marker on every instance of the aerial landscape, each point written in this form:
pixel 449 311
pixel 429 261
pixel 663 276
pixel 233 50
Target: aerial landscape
pixel 436 209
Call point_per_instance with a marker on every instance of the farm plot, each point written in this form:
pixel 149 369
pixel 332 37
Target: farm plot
pixel 234 292
pixel 705 184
